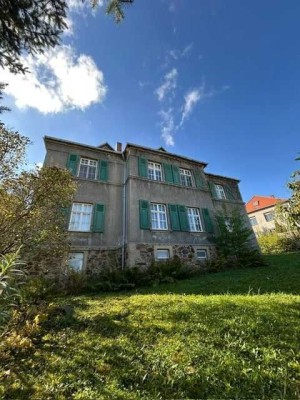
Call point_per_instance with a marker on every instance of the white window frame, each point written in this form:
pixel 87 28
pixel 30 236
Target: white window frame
pixel 253 221
pixel 159 220
pixel 186 178
pixel 154 171
pixel 81 217
pixel 228 224
pixel 89 164
pixel 194 218
pixel 220 191
pixel 201 258
pixel 267 214
pixel 80 261
pixel 167 252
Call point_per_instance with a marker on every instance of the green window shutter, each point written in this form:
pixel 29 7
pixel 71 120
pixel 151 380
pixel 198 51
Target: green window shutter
pixel 229 193
pixel 176 177
pixel 168 173
pixel 144 214
pixel 183 219
pixel 98 218
pixel 174 218
pixel 199 180
pixel 143 167
pixel 102 170
pixel 209 227
pixel 212 190
pixel 72 163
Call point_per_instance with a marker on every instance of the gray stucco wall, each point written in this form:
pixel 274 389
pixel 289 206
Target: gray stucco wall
pixel 93 192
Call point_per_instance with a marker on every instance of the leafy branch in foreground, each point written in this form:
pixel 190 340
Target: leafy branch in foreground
pixel 34 26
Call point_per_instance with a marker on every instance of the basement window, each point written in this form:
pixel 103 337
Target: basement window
pixel 201 254
pixel 162 254
pixel 75 261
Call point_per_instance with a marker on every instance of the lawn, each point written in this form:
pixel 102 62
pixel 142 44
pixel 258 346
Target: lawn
pixel 230 335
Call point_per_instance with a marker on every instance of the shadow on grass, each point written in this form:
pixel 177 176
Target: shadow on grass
pixel 225 347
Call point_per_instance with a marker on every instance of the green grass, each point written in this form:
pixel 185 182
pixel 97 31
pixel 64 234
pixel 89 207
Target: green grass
pixel 231 335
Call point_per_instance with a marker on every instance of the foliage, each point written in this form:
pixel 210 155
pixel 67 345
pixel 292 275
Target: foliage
pixel 2 87
pixel 234 243
pixel 12 152
pixel 275 243
pixel 12 277
pixel 161 345
pixel 34 26
pixel 290 211
pixel 31 206
pixel 31 215
pixel 113 279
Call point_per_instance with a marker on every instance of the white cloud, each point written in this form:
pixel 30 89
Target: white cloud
pixel 169 85
pixel 81 8
pixel 186 51
pixel 167 126
pixel 177 54
pixel 190 100
pixel 77 6
pixel 58 81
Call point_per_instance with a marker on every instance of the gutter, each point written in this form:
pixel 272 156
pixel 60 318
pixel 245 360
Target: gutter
pixel 124 213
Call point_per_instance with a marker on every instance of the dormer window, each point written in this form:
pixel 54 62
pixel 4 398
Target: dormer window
pixel 255 203
pixel 220 192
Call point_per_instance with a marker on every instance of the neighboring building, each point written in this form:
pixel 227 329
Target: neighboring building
pixel 140 204
pixel 261 212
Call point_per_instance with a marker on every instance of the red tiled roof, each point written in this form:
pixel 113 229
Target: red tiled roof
pixel 260 202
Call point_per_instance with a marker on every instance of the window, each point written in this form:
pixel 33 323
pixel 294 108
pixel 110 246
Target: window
pixel 162 254
pixel 81 217
pixel 269 216
pixel 220 192
pixel 253 221
pixel 185 177
pixel 87 168
pixel 194 220
pixel 228 224
pixel 158 216
pixel 201 254
pixel 256 203
pixel 75 261
pixel 154 171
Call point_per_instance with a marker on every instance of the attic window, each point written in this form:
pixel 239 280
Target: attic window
pixel 256 203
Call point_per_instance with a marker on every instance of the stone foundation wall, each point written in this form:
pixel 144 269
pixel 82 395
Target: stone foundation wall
pixel 103 260
pixel 143 254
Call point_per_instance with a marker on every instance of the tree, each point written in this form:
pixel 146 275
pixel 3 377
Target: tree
pixel 290 211
pixel 33 26
pixel 2 87
pixel 12 152
pixel 32 205
pixel 235 243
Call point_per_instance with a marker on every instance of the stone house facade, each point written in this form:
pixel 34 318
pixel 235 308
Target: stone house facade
pixel 139 204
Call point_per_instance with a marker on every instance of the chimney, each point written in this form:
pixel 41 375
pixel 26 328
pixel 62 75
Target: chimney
pixel 119 147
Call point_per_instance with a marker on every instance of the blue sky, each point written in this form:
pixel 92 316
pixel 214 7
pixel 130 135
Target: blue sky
pixel 215 80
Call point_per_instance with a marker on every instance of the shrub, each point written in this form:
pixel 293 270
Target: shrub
pixel 11 279
pixel 275 243
pixel 234 243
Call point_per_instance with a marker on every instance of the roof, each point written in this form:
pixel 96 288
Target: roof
pixel 260 202
pixel 161 149
pixel 106 146
pixel 70 142
pixel 222 177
